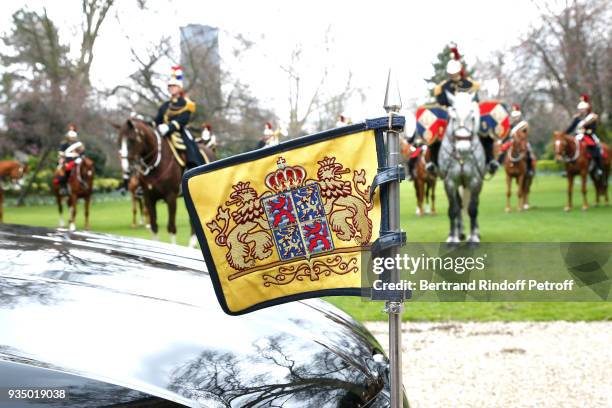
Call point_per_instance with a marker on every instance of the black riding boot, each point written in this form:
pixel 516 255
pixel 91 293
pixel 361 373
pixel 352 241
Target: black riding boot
pixel 411 163
pixel 530 169
pixel 63 183
pixel 597 159
pixel 123 187
pixel 487 144
pixel 435 149
pixel 194 157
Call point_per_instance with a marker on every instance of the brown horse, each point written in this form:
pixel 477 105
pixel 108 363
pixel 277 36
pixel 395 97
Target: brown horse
pixel 11 173
pixel 424 181
pixel 80 185
pixel 137 202
pixel 151 157
pixel 515 164
pixel 573 153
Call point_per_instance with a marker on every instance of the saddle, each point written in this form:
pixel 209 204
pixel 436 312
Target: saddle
pixel 179 150
pixel 416 152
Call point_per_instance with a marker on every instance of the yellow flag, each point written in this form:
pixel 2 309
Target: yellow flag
pixel 291 221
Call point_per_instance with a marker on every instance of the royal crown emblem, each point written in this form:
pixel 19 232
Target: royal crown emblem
pixel 296 219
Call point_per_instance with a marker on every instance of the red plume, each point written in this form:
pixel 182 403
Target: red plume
pixel 585 98
pixel 268 125
pixel 516 107
pixel 72 126
pixel 454 51
pixel 174 68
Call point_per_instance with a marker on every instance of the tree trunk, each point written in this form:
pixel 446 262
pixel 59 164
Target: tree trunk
pixel 24 193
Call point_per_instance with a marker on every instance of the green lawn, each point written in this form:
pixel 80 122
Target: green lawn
pixel 544 222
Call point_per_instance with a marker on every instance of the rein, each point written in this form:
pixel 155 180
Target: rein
pixel 576 153
pixel 148 168
pixel 520 157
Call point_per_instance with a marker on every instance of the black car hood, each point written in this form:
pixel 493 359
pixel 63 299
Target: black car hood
pixel 144 315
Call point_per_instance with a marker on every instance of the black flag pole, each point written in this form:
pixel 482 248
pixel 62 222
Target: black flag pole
pixel 394 307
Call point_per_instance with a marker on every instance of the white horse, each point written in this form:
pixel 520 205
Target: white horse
pixel 462 164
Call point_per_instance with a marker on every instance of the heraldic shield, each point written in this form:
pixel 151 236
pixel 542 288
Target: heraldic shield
pixel 291 221
pixel 494 119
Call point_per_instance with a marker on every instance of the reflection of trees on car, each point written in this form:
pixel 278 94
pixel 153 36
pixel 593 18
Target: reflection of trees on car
pixel 13 291
pixel 323 379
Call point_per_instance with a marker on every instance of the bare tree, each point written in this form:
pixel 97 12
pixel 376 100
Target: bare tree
pixel 570 53
pixel 221 99
pixel 311 91
pixel 566 54
pixel 47 88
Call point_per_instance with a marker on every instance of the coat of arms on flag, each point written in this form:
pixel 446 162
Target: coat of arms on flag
pixel 290 221
pixel 494 119
pixel 431 122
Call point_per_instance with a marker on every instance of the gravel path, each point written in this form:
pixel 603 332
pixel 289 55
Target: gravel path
pixel 522 364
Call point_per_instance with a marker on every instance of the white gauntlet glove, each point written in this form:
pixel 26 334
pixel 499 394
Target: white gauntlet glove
pixel 163 129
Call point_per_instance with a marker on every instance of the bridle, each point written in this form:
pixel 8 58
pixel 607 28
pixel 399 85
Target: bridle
pixel 143 167
pixel 563 155
pixel 520 157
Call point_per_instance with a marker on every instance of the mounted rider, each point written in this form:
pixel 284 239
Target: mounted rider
pixel 584 124
pixel 207 137
pixel 174 115
pixel 69 155
pixel 519 127
pixel 270 137
pixel 343 121
pixel 458 81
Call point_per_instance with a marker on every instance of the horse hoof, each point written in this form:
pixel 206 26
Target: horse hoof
pixel 526 207
pixel 474 239
pixel 508 210
pixel 433 213
pixel 72 227
pixel 193 241
pixel 567 209
pixel 585 207
pixel 133 226
pixel 461 237
pixel 473 244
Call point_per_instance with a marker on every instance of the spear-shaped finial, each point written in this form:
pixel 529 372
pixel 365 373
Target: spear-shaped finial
pixel 393 99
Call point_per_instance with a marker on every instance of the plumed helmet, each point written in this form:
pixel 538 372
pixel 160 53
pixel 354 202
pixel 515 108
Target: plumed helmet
pixel 207 126
pixel 176 76
pixel 454 66
pixel 71 134
pixel 516 112
pixel 585 102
